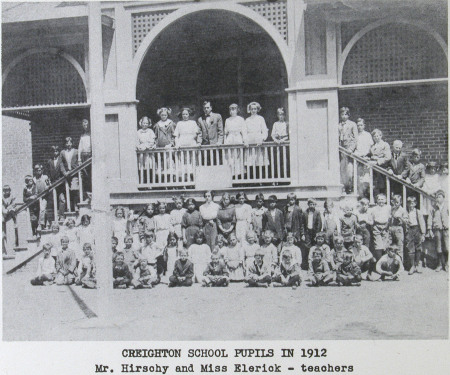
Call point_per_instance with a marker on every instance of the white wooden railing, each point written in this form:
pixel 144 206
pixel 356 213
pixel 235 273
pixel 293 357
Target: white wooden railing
pixel 358 179
pixel 177 167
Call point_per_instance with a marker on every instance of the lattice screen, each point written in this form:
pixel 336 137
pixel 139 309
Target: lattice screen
pixel 43 79
pixel 275 13
pixel 394 53
pixel 143 23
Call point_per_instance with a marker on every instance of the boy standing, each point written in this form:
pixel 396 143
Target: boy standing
pixel 42 183
pixel 29 193
pixel 397 223
pixel 84 153
pixel 313 224
pixel 416 170
pixel 273 220
pixel 55 173
pixel 348 223
pixel 415 234
pixel 438 228
pixel 7 213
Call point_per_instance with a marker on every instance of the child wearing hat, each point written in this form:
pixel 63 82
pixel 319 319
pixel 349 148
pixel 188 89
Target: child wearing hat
pixel 312 221
pixel 320 273
pixel 288 272
pixel 258 272
pixel 183 271
pixel 390 265
pixel 415 234
pixel 280 129
pixel 348 273
pixel 30 193
pixel 216 272
pixel 438 228
pixel 46 270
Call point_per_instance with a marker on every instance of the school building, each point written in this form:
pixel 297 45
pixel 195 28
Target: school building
pixel 384 59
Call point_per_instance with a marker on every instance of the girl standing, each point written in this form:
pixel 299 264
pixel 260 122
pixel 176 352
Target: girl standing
pixel 120 225
pixel 226 216
pixel 257 214
pixel 243 217
pixel 191 223
pixel 199 253
pixel 170 253
pixel 257 133
pixel 147 221
pixel 164 128
pixel 176 218
pixel 235 134
pixel 209 211
pixel 145 141
pixel 163 225
pixel 280 129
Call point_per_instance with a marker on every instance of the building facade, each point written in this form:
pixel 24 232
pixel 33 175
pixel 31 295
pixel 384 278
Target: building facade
pixel 385 60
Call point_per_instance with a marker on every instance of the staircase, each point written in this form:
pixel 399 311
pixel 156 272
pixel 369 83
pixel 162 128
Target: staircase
pixel 26 247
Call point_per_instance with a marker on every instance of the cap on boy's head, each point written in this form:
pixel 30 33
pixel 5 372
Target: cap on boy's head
pixel 273 198
pixel 38 166
pixel 411 199
pixel 6 188
pixel 311 200
pixel 398 143
pixel 344 110
pixel 440 192
pixel 416 152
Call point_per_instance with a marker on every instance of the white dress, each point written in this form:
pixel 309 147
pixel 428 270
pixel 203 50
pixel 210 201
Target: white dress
pixel 280 131
pixel 163 226
pixel 145 141
pixel 235 134
pixel 257 133
pixel 243 221
pixel 200 256
pixel 120 230
pixel 186 134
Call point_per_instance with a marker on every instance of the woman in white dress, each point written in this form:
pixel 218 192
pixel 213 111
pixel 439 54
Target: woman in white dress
pixel 257 133
pixel 146 140
pixel 243 217
pixel 187 134
pixel 235 134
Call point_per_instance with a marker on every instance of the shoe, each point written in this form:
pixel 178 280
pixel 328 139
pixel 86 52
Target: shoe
pixel 439 269
pixel 412 270
pixel 294 287
pixel 418 271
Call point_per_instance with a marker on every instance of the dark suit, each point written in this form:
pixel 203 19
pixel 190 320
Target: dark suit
pixel 54 172
pixel 276 225
pixel 294 222
pixel 310 234
pixel 212 129
pixel 398 165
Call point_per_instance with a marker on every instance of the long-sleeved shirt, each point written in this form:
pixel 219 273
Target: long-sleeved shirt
pixel 258 270
pixel 362 255
pixel 416 173
pixel 381 152
pixel 218 269
pixel 380 214
pixel 348 133
pixel 326 255
pixel 399 216
pixel 84 145
pixel 183 268
pixel 66 261
pixel 438 217
pixel 363 144
pixel 46 266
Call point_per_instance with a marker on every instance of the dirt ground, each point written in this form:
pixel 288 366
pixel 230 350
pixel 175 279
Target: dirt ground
pixel 416 307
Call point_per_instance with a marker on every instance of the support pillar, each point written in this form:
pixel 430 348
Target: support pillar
pixel 100 193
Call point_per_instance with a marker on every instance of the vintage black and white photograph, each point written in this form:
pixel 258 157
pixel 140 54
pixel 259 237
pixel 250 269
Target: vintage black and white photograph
pixel 216 170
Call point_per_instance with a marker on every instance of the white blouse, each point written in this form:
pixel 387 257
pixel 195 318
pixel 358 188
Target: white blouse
pixel 257 131
pixel 235 130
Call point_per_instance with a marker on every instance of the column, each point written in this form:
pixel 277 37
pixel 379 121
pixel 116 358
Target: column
pixel 100 193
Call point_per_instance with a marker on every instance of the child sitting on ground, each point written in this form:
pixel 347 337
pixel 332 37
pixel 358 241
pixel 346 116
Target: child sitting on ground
pixel 234 258
pixel 53 238
pixel 221 243
pixel 363 257
pixel 295 250
pixel 319 269
pixel 145 276
pixel 46 270
pixel 258 273
pixel 216 273
pixel 390 265
pixel 86 268
pixel 288 273
pixel 183 271
pixel 121 273
pixel 324 249
pixel 337 254
pixel 348 273
pixel 66 263
pixel 199 254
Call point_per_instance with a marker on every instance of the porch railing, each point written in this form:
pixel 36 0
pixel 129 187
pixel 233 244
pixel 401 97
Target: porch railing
pixel 177 167
pixel 363 172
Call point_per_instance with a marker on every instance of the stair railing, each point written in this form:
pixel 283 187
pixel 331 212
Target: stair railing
pixel 389 177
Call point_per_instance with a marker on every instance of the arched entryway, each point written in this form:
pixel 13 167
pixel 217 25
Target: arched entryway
pixel 212 54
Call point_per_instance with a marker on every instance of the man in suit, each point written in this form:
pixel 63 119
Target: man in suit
pixel 211 126
pixel 397 166
pixel 54 172
pixel 69 161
